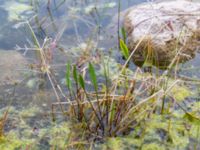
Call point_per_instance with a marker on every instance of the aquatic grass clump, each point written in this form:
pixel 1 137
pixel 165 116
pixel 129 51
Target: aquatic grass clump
pixel 112 111
pixel 121 105
pixel 122 108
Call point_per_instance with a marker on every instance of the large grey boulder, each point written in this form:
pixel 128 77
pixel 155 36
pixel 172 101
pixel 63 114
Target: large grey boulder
pixel 166 31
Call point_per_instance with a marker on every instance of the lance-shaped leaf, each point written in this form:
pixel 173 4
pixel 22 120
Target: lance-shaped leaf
pixel 93 76
pixel 75 74
pixel 81 82
pixel 124 49
pixel 123 32
pixel 67 77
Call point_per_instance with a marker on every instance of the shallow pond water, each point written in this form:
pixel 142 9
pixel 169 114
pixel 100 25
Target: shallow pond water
pixel 72 25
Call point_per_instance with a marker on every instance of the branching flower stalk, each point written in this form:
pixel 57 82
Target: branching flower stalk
pixel 45 67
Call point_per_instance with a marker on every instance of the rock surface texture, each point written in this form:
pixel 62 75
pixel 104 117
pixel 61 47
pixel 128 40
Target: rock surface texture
pixel 166 31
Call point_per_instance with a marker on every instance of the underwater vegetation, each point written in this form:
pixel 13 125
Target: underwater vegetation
pixel 88 95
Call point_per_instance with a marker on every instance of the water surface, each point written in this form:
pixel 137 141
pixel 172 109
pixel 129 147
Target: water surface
pixel 71 24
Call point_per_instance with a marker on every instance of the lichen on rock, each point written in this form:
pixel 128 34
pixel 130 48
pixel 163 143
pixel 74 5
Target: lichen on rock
pixel 168 31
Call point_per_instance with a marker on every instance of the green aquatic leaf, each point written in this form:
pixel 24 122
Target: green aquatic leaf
pixel 93 76
pixel 75 76
pixel 123 32
pixel 67 76
pixel 81 81
pixel 124 49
